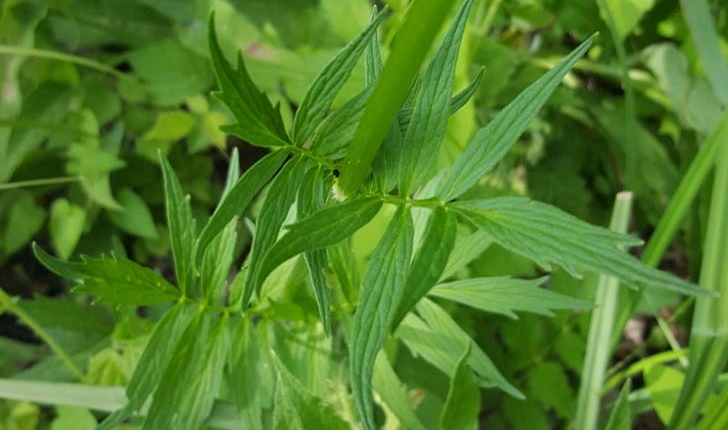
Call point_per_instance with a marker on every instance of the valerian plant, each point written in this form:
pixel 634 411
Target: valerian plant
pixel 219 341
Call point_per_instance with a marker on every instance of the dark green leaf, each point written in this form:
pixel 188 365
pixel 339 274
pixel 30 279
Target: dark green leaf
pixel 432 108
pixel 321 94
pixel 258 122
pixel 545 234
pixel 277 203
pixel 506 296
pixel 236 200
pixel 381 292
pixel 324 228
pixel 621 416
pixel 429 261
pixel 462 405
pixel 297 409
pixel 492 142
pixel 181 227
pixel 117 281
pixel 337 130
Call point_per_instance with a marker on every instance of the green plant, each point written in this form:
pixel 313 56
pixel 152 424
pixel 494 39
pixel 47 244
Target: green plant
pixel 217 340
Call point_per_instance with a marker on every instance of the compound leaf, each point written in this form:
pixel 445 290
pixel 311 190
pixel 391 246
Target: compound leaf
pixel 545 234
pixel 381 291
pixel 492 142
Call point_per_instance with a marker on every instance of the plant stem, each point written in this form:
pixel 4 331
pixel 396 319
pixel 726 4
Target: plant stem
pixel 600 329
pixel 60 56
pixel 8 303
pixel 410 46
pixel 39 182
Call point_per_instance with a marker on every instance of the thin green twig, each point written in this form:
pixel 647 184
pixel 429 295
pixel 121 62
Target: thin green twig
pixel 39 182
pixel 60 56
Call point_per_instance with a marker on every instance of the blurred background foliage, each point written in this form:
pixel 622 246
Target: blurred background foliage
pixel 92 89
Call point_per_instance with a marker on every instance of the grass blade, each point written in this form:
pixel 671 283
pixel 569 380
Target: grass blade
pixel 600 330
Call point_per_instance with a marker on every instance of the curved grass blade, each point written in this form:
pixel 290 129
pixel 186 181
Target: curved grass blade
pixel 237 198
pixel 381 291
pixel 321 94
pixel 492 142
pixel 429 262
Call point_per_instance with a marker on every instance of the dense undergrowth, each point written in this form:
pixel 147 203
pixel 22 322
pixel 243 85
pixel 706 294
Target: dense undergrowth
pixel 388 234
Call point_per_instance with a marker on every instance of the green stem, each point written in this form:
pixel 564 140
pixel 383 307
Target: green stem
pixel 8 303
pixel 600 329
pixel 645 363
pixel 39 182
pixel 32 125
pixel 410 46
pixel 60 56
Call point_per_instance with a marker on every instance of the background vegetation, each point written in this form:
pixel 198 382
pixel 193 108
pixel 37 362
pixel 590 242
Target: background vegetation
pixel 92 91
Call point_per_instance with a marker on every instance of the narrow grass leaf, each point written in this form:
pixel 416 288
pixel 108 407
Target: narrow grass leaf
pixel 237 198
pixel 324 228
pixel 545 234
pixel 298 409
pixel 197 366
pixel 337 130
pixel 492 142
pixel 462 405
pixel 431 111
pixel 394 394
pixel 181 227
pixel 216 263
pixel 311 199
pixel 233 174
pixel 372 57
pixel 244 373
pixel 506 296
pixel 110 280
pixel 154 360
pixel 716 415
pixel 380 294
pixel 321 94
pixel 437 338
pixel 621 416
pixel 429 261
pixel 281 195
pixel 258 122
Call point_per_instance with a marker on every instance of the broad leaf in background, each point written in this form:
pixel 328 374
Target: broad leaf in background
pixel 323 90
pixel 626 14
pixel 438 338
pixel 381 291
pixel 492 142
pixel 134 217
pixel 545 234
pixel 181 227
pixel 66 226
pixel 258 121
pixel 297 409
pixel 426 130
pixel 462 406
pixel 169 127
pixel 506 296
pixel 117 281
pixel 25 219
pixel 387 384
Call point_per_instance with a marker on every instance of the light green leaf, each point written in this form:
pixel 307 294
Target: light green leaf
pixel 381 292
pixel 169 127
pixel 217 261
pixel 323 228
pixel 438 338
pixel 181 227
pixel 429 261
pixel 258 122
pixel 426 130
pixel 277 203
pixel 387 384
pixel 664 383
pixel 65 226
pixel 246 372
pixel 70 418
pixel 321 94
pixel 492 142
pixel 545 234
pixel 337 129
pixel 25 219
pixel 466 250
pixel 621 416
pixel 197 365
pixel 626 14
pixel 117 281
pixel 462 405
pixel 506 296
pixel 135 217
pixel 237 198
pixel 297 409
